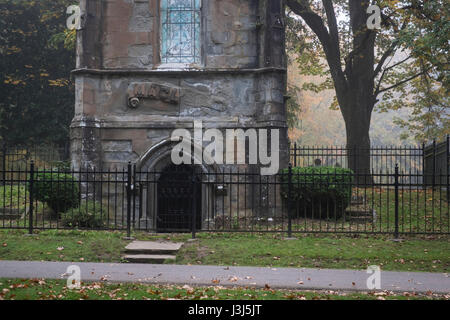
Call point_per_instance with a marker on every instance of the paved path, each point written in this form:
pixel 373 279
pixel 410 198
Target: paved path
pixel 280 278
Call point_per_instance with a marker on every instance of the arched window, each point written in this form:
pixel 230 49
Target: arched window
pixel 180 31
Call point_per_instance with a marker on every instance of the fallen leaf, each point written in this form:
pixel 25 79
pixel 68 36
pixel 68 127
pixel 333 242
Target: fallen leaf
pixel 188 289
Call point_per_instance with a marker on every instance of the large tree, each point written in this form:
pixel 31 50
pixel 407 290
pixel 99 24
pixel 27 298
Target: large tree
pixel 363 64
pixel 36 92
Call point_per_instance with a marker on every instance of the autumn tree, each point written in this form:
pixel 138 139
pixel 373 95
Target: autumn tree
pixel 36 92
pixel 363 65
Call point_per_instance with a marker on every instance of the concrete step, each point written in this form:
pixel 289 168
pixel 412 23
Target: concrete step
pixel 152 248
pixel 360 220
pixel 359 213
pixel 148 258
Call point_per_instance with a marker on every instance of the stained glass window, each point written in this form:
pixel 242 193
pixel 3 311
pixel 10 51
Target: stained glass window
pixel 180 31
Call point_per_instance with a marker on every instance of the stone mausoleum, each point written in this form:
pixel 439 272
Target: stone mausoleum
pixel 148 67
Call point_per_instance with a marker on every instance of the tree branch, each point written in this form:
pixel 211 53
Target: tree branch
pixel 315 22
pixel 403 81
pixel 312 19
pixel 332 23
pixel 377 91
pixel 390 51
pixel 384 57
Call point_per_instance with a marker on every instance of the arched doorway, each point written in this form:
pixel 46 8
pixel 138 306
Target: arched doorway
pixel 175 193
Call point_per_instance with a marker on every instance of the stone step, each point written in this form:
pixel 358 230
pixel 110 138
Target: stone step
pixel 11 213
pixel 358 200
pixel 358 213
pixel 149 258
pixel 359 219
pixel 152 248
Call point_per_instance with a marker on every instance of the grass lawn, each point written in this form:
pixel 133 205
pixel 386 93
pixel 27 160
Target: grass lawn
pixel 13 196
pixel 54 245
pixel 36 289
pixel 429 254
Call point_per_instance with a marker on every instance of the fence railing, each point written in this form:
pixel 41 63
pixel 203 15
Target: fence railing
pixel 19 157
pixel 188 199
pixel 430 159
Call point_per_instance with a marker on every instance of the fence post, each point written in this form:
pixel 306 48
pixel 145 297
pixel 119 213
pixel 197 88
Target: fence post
pixel 433 181
pixel 424 175
pixel 4 164
pixel 396 185
pixel 289 201
pixel 134 194
pixel 446 168
pixel 30 221
pixel 129 190
pixel 295 154
pixel 194 205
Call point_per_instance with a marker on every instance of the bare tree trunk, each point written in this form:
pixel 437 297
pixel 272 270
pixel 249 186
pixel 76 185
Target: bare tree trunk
pixel 357 116
pixel 358 148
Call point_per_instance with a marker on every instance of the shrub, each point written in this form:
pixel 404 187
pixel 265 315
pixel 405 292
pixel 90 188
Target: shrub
pixel 319 192
pixel 89 215
pixel 62 166
pixel 59 190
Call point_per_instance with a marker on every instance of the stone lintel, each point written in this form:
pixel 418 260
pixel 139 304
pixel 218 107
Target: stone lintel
pixel 183 72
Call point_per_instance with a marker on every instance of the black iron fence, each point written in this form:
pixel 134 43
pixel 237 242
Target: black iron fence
pixel 19 157
pixel 189 199
pixel 423 163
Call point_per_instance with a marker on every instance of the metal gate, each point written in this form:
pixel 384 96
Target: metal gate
pixel 178 198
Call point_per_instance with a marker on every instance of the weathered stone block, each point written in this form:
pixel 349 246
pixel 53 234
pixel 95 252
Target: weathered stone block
pixel 113 146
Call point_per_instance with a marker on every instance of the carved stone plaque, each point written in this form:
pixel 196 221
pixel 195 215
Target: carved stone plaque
pixel 154 98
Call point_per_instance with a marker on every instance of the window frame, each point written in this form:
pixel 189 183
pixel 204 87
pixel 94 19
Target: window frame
pixel 200 59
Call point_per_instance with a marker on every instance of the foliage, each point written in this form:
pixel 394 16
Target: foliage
pixel 292 106
pixel 89 215
pixel 36 92
pixel 325 192
pixel 427 41
pixel 62 166
pixel 59 190
pixel 402 65
pixel 316 124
